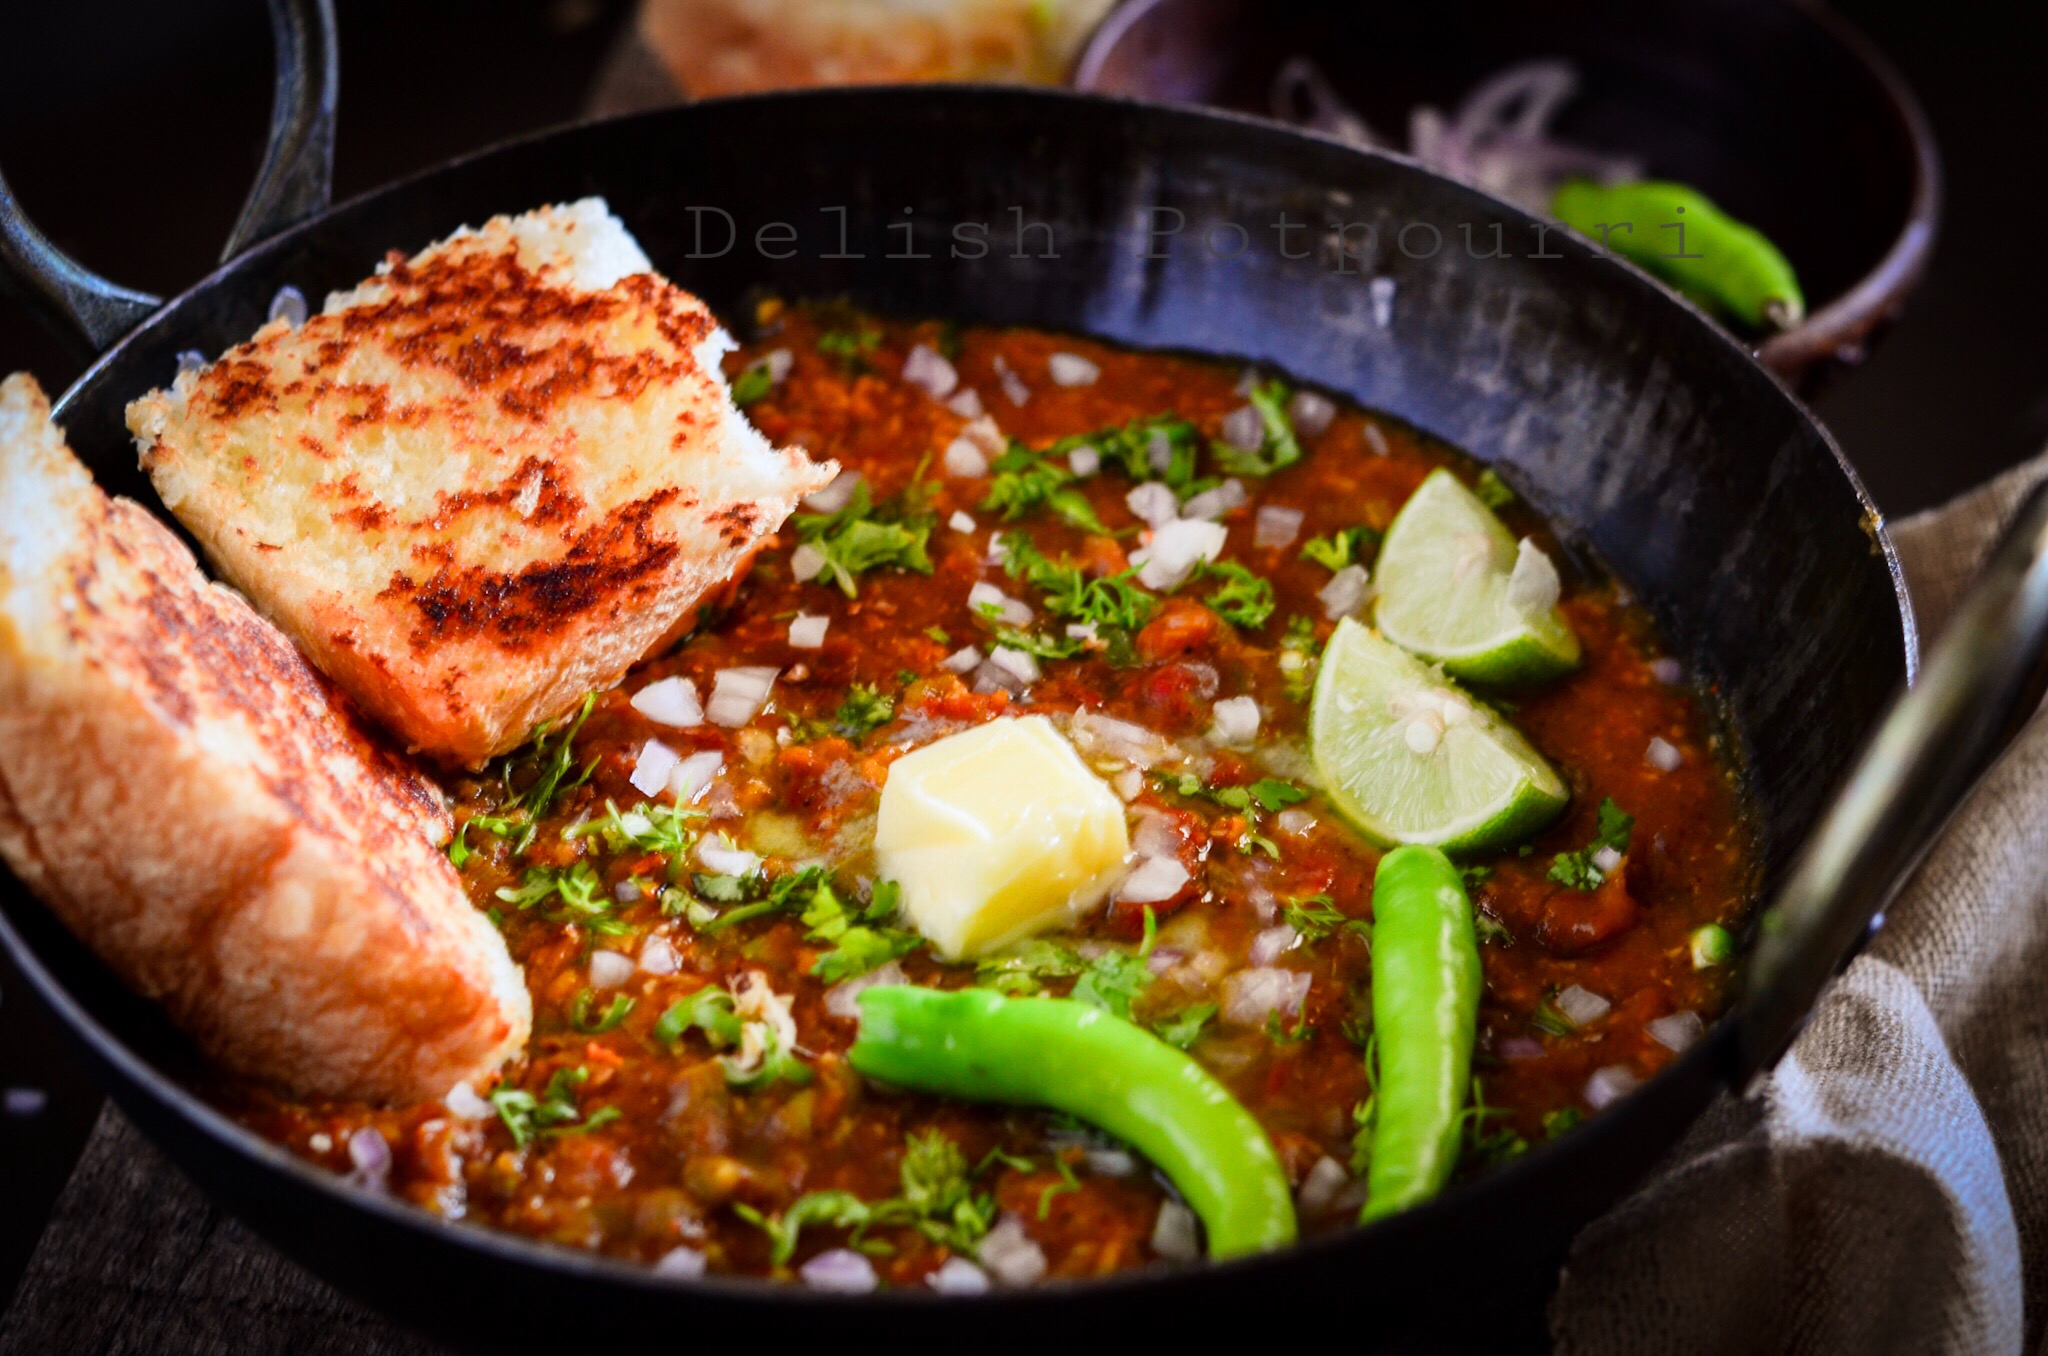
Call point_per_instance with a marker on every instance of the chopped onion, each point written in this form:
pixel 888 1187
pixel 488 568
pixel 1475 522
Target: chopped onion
pixel 1319 1189
pixel 1071 369
pixel 1244 428
pixel 1606 860
pixel 1174 551
pixel 1534 586
pixel 984 434
pixel 1128 784
pixel 682 1264
pixel 967 403
pixel 1294 821
pixel 779 364
pixel 1273 943
pixel 843 998
pixel 1348 590
pixel 463 1104
pixel 659 956
pixel 992 677
pixel 719 855
pixel 1175 1235
pixel 1250 996
pixel 1159 451
pixel 289 305
pixel 1275 527
pixel 1376 441
pixel 1677 1032
pixel 1667 671
pixel 960 522
pixel 1610 1084
pixel 1217 502
pixel 964 459
pixel 651 768
pixel 1581 1005
pixel 1663 755
pixel 737 695
pixel 1014 389
pixel 986 595
pixel 1093 732
pixel 1310 412
pixel 670 701
pixel 925 369
pixel 369 1153
pixel 1518 1048
pixel 807 632
pixel 963 660
pixel 609 969
pixel 807 562
pixel 1111 1163
pixel 1157 835
pixel 958 1276
pixel 836 495
pixel 1154 880
pixel 1237 722
pixel 1380 291
pixel 1010 1254
pixel 1023 667
pixel 1082 631
pixel 842 1271
pixel 1154 503
pixel 1084 461
pixel 692 775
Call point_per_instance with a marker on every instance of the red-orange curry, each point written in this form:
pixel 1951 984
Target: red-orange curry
pixel 628 1135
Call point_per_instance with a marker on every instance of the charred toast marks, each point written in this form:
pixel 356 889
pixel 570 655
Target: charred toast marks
pixel 484 482
pixel 193 800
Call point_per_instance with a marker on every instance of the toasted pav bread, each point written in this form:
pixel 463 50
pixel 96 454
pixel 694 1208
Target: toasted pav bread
pixel 484 482
pixel 194 801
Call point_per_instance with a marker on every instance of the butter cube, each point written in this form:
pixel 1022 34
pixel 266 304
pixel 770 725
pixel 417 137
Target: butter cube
pixel 996 833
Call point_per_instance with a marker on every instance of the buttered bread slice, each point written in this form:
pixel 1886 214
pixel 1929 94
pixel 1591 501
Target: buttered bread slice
pixel 484 482
pixel 202 809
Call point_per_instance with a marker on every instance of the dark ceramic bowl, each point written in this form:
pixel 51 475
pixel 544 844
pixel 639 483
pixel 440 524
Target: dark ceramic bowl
pixel 1781 112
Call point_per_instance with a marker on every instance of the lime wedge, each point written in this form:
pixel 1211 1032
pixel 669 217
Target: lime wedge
pixel 1456 588
pixel 1408 758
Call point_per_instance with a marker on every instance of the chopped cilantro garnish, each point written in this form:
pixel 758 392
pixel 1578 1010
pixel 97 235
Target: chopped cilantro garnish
pixel 1113 982
pixel 864 709
pixel 849 348
pixel 1022 970
pixel 1068 1183
pixel 859 942
pixel 839 1209
pixel 579 1014
pixel 1557 1122
pixel 1279 447
pixel 540 771
pixel 860 536
pixel 1185 1027
pixel 1025 481
pixel 1114 603
pixel 777 1065
pixel 578 888
pixel 1278 1030
pixel 1492 491
pixel 1549 1020
pixel 752 383
pixel 1298 651
pixel 1130 449
pixel 1315 917
pixel 1580 870
pixel 708 1010
pixel 1346 546
pixel 647 827
pixel 1491 929
pixel 1243 599
pixel 554 1112
pixel 1490 1145
pixel 937 1198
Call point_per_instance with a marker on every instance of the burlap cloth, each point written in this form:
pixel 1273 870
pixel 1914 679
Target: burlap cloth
pixel 1885 1190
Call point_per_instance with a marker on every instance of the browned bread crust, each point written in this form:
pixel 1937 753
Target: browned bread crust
pixel 482 484
pixel 195 802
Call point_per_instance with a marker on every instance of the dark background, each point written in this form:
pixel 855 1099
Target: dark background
pixel 131 129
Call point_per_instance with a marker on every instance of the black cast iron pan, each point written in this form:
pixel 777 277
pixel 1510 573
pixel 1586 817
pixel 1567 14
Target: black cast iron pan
pixel 1648 435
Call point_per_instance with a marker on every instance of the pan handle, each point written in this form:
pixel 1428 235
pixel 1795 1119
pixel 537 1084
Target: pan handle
pixel 293 183
pixel 1982 683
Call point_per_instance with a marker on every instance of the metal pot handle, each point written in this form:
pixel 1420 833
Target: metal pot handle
pixel 1984 680
pixel 294 183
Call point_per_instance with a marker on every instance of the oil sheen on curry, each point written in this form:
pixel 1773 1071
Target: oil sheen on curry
pixel 1093 694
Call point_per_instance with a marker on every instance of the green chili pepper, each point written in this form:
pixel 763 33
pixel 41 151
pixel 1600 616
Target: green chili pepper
pixel 1679 234
pixel 978 1045
pixel 1425 1012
